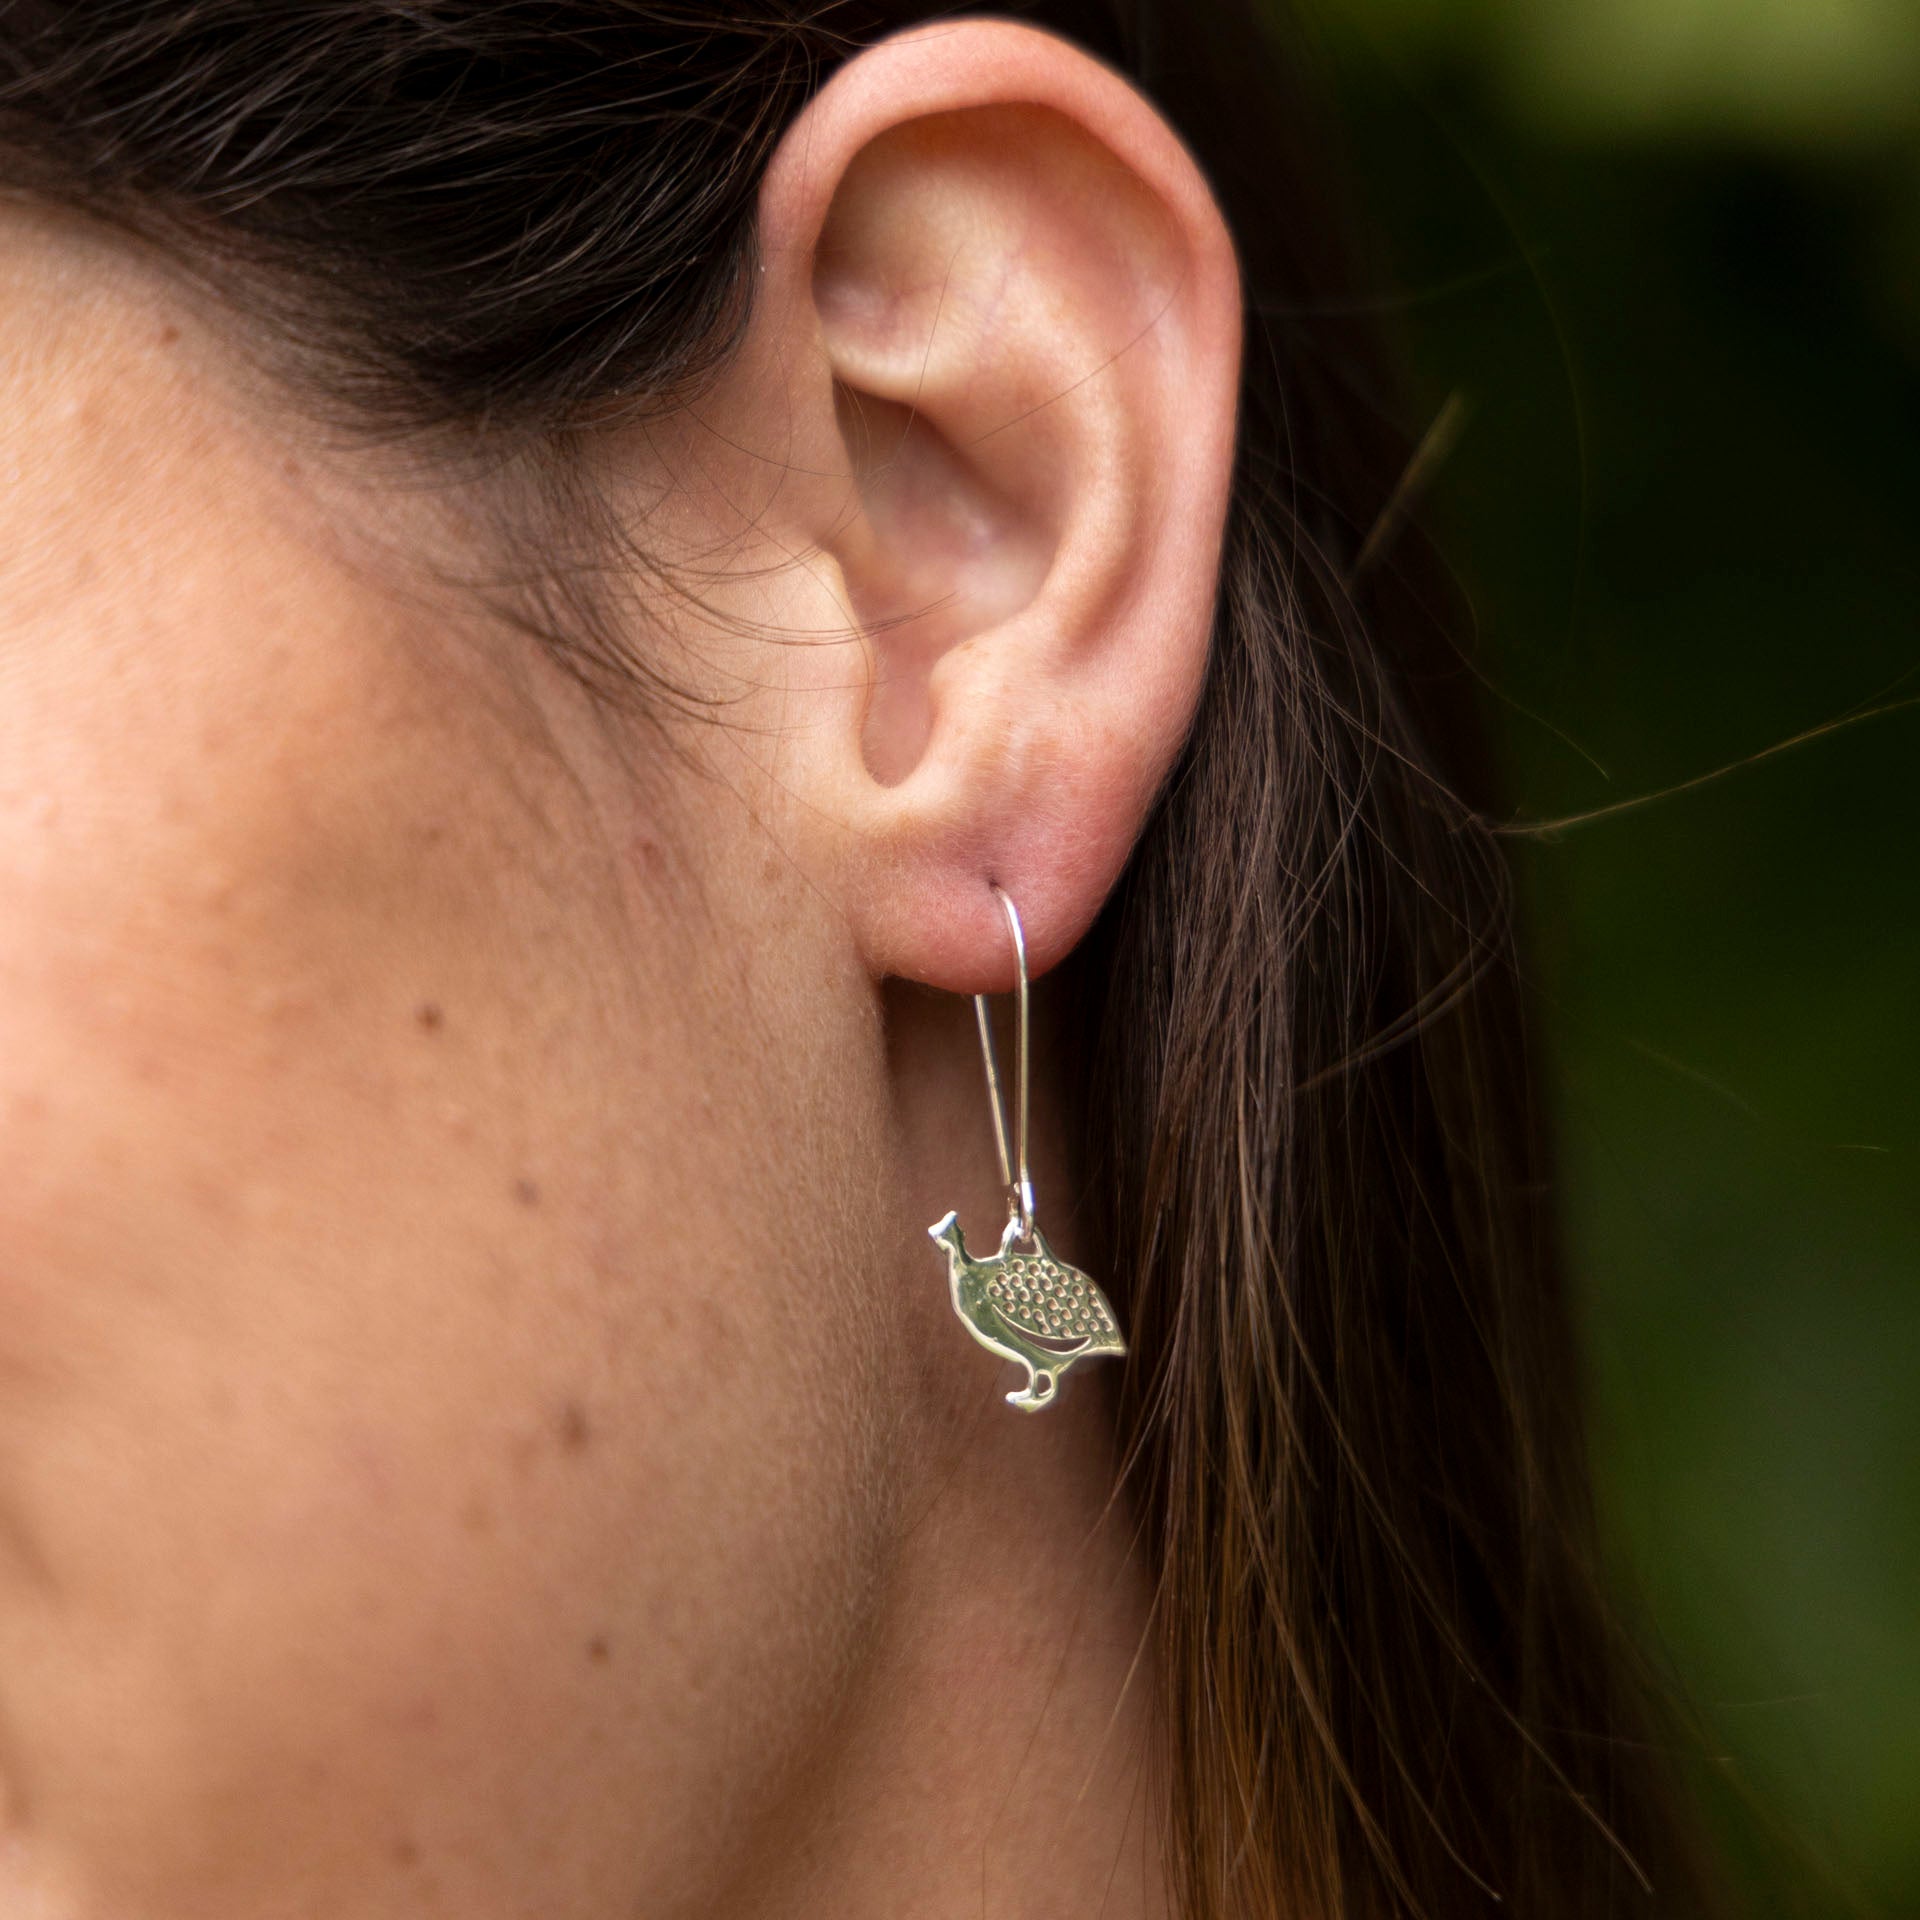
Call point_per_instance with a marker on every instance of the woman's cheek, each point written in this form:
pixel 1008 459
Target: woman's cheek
pixel 403 1431
pixel 425 1481
pixel 284 1381
pixel 246 1426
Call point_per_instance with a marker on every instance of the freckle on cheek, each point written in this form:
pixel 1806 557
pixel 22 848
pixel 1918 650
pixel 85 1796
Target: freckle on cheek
pixel 652 857
pixel 428 1017
pixel 598 1651
pixel 526 1191
pixel 565 1429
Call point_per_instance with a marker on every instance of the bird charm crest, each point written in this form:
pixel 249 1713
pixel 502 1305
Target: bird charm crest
pixel 1030 1307
pixel 1023 1302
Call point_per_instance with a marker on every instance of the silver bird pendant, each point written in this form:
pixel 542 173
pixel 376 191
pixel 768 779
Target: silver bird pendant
pixel 1028 1306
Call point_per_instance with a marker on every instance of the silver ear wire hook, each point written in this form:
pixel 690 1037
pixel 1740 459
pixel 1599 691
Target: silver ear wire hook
pixel 1020 1191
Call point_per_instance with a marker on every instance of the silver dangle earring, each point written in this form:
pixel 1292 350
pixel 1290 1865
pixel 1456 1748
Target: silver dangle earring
pixel 1022 1303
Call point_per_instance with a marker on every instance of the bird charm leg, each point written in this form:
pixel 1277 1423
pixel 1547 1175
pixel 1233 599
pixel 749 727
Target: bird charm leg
pixel 1038 1392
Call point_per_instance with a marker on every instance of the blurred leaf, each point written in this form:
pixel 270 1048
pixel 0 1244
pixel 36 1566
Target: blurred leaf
pixel 1669 252
pixel 1827 72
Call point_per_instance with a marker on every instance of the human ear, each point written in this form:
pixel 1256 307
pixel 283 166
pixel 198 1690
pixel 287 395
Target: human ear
pixel 994 354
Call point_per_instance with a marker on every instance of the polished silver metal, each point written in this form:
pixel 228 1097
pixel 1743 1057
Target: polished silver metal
pixel 1019 1192
pixel 1023 1302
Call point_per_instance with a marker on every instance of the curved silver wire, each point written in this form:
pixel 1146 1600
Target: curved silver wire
pixel 1020 1191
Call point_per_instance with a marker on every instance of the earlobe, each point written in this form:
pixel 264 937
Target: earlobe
pixel 1001 291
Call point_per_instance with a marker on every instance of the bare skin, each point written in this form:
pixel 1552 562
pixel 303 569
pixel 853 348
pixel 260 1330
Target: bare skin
pixel 481 1428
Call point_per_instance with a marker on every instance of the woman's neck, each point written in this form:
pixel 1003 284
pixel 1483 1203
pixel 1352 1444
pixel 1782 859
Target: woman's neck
pixel 992 1758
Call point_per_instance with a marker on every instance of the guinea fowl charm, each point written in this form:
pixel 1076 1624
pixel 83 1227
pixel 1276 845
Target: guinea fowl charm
pixel 1028 1306
pixel 1023 1302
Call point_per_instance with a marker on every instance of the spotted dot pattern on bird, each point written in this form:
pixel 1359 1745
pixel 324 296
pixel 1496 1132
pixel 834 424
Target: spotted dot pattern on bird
pixel 1050 1301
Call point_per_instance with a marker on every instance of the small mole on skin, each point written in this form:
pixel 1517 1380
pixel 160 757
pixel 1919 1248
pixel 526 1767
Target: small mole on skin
pixel 598 1651
pixel 574 1429
pixel 526 1191
pixel 428 1017
pixel 405 1853
pixel 168 335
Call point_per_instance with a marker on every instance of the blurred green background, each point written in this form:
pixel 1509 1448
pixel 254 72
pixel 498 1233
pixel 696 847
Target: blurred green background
pixel 1666 256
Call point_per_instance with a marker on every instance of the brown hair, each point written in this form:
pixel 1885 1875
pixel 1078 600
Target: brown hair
pixel 1352 1420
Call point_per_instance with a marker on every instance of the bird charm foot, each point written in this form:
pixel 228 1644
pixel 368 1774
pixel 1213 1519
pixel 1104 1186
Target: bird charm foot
pixel 1037 1393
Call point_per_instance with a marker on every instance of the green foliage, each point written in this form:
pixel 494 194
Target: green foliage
pixel 1666 250
pixel 1829 72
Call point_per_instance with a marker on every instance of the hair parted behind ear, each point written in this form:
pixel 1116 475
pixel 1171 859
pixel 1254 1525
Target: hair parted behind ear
pixel 1392 1685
